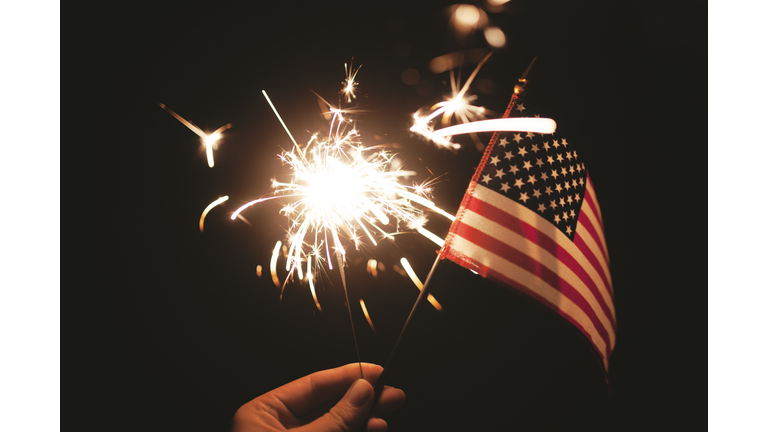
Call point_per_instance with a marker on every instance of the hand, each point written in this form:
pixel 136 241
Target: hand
pixel 333 400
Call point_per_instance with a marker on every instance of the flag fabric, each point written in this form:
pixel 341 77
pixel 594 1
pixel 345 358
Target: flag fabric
pixel 530 221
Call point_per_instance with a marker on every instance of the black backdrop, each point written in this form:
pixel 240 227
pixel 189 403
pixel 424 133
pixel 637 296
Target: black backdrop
pixel 171 329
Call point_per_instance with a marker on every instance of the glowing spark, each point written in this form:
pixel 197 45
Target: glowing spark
pixel 310 279
pixel 426 203
pixel 368 317
pixel 210 206
pixel 428 234
pixel 517 124
pixel 244 220
pixel 258 270
pixel 210 141
pixel 417 282
pixel 372 267
pixel 349 83
pixel 273 263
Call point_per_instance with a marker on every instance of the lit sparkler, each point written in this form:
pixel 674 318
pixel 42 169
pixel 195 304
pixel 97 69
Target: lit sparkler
pixel 458 106
pixel 342 190
pixel 210 141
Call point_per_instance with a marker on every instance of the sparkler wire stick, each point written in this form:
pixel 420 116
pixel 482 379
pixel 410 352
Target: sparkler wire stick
pixel 349 309
pixel 393 356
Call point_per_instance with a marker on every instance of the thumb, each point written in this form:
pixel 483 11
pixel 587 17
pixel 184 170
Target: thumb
pixel 350 414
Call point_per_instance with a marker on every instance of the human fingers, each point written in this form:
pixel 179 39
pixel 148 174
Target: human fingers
pixel 306 394
pixel 391 399
pixel 376 425
pixel 349 414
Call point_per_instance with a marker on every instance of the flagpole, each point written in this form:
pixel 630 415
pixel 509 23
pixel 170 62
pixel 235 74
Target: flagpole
pixel 519 89
pixel 393 356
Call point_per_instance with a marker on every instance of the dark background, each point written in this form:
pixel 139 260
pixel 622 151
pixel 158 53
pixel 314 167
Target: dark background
pixel 173 330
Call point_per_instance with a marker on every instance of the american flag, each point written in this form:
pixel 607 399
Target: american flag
pixel 530 221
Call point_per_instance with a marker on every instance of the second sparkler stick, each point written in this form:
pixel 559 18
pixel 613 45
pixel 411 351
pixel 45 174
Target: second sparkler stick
pixel 340 260
pixel 393 356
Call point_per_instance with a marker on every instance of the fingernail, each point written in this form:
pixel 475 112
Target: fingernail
pixel 360 393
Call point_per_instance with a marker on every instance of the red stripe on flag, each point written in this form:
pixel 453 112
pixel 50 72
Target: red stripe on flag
pixel 587 224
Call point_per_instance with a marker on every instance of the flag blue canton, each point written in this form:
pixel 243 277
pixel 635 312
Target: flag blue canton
pixel 540 171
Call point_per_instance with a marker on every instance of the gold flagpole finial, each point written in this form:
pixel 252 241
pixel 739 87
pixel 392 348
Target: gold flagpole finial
pixel 519 88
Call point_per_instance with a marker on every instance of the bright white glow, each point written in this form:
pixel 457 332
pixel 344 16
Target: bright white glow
pixel 518 124
pixel 342 192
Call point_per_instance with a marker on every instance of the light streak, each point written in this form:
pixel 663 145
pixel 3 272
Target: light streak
pixel 210 206
pixel 368 317
pixel 210 141
pixel 407 266
pixel 516 124
pixel 279 118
